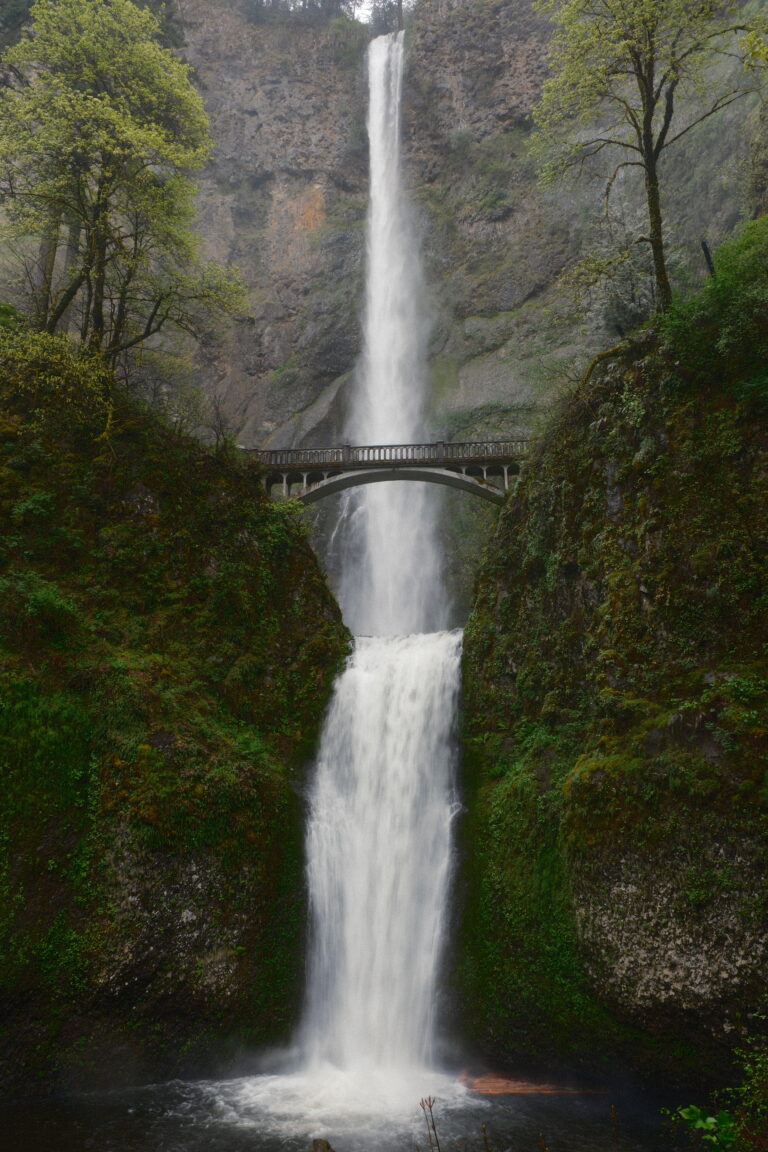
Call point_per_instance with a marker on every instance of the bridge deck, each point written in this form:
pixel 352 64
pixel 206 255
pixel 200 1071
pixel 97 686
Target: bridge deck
pixel 321 471
pixel 437 454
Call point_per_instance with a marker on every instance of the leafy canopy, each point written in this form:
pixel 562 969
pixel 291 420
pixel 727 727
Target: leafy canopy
pixel 99 136
pixel 722 329
pixel 618 70
pixel 625 62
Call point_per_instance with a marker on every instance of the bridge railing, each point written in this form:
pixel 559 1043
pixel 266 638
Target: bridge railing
pixel 350 457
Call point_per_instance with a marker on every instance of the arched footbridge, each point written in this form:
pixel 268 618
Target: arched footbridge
pixel 485 468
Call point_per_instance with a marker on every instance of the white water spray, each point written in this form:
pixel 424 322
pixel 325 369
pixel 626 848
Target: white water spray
pixel 383 799
pixel 392 574
pixel 379 848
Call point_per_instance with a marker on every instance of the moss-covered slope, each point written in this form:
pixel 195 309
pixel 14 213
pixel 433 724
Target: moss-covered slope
pixel 167 644
pixel 616 679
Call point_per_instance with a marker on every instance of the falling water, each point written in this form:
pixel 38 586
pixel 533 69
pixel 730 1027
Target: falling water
pixel 392 573
pixel 379 853
pixel 383 799
pixel 379 835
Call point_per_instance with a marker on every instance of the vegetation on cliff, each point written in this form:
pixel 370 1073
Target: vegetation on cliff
pixel 100 130
pixel 167 645
pixel 619 78
pixel 616 694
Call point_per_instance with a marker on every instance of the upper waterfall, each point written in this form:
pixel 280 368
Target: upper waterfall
pixel 392 580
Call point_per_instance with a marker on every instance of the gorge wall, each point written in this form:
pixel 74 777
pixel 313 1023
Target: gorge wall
pixel 167 646
pixel 616 689
pixel 284 198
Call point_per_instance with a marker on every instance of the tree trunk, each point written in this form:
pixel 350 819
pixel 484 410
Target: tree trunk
pixel 46 263
pixel 74 231
pixel 97 245
pixel 97 326
pixel 653 198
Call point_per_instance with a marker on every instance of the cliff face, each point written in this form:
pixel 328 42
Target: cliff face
pixel 616 685
pixel 167 645
pixel 492 241
pixel 286 193
pixel 285 199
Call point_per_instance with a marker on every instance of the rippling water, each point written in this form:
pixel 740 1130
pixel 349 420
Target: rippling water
pixel 284 1114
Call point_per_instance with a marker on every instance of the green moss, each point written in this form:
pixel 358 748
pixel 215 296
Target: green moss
pixel 167 646
pixel 615 684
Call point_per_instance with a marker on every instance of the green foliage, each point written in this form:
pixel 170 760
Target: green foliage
pixel 617 72
pixel 300 11
pixel 98 139
pixel 615 685
pixel 750 1098
pixel 722 329
pixel 519 969
pixel 15 15
pixel 10 317
pixel 167 645
pixel 45 378
pixel 717 1131
pixel 755 46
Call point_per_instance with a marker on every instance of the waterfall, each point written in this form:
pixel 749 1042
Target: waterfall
pixel 382 798
pixel 392 570
pixel 379 853
pixel 378 841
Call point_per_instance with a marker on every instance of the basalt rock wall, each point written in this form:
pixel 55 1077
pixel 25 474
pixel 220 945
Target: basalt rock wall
pixel 284 198
pixel 616 687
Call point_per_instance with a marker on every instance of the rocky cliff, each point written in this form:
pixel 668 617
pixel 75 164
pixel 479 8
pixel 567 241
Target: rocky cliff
pixel 167 645
pixel 285 199
pixel 616 689
pixel 285 194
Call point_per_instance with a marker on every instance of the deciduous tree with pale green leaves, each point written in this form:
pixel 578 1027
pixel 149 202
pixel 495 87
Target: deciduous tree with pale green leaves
pixel 100 131
pixel 630 77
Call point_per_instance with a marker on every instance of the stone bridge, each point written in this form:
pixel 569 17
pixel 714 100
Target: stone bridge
pixel 483 467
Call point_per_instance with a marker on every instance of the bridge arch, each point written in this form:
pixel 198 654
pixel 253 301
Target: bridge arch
pixel 458 480
pixel 319 472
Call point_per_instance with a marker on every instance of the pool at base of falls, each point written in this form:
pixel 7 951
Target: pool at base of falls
pixel 354 1112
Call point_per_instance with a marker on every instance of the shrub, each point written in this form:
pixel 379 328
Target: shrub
pixel 44 376
pixel 722 330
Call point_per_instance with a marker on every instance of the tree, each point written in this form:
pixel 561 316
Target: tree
pixel 100 130
pixel 619 73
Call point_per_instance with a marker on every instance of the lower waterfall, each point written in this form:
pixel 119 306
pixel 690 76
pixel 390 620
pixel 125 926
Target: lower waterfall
pixel 379 853
pixel 383 797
